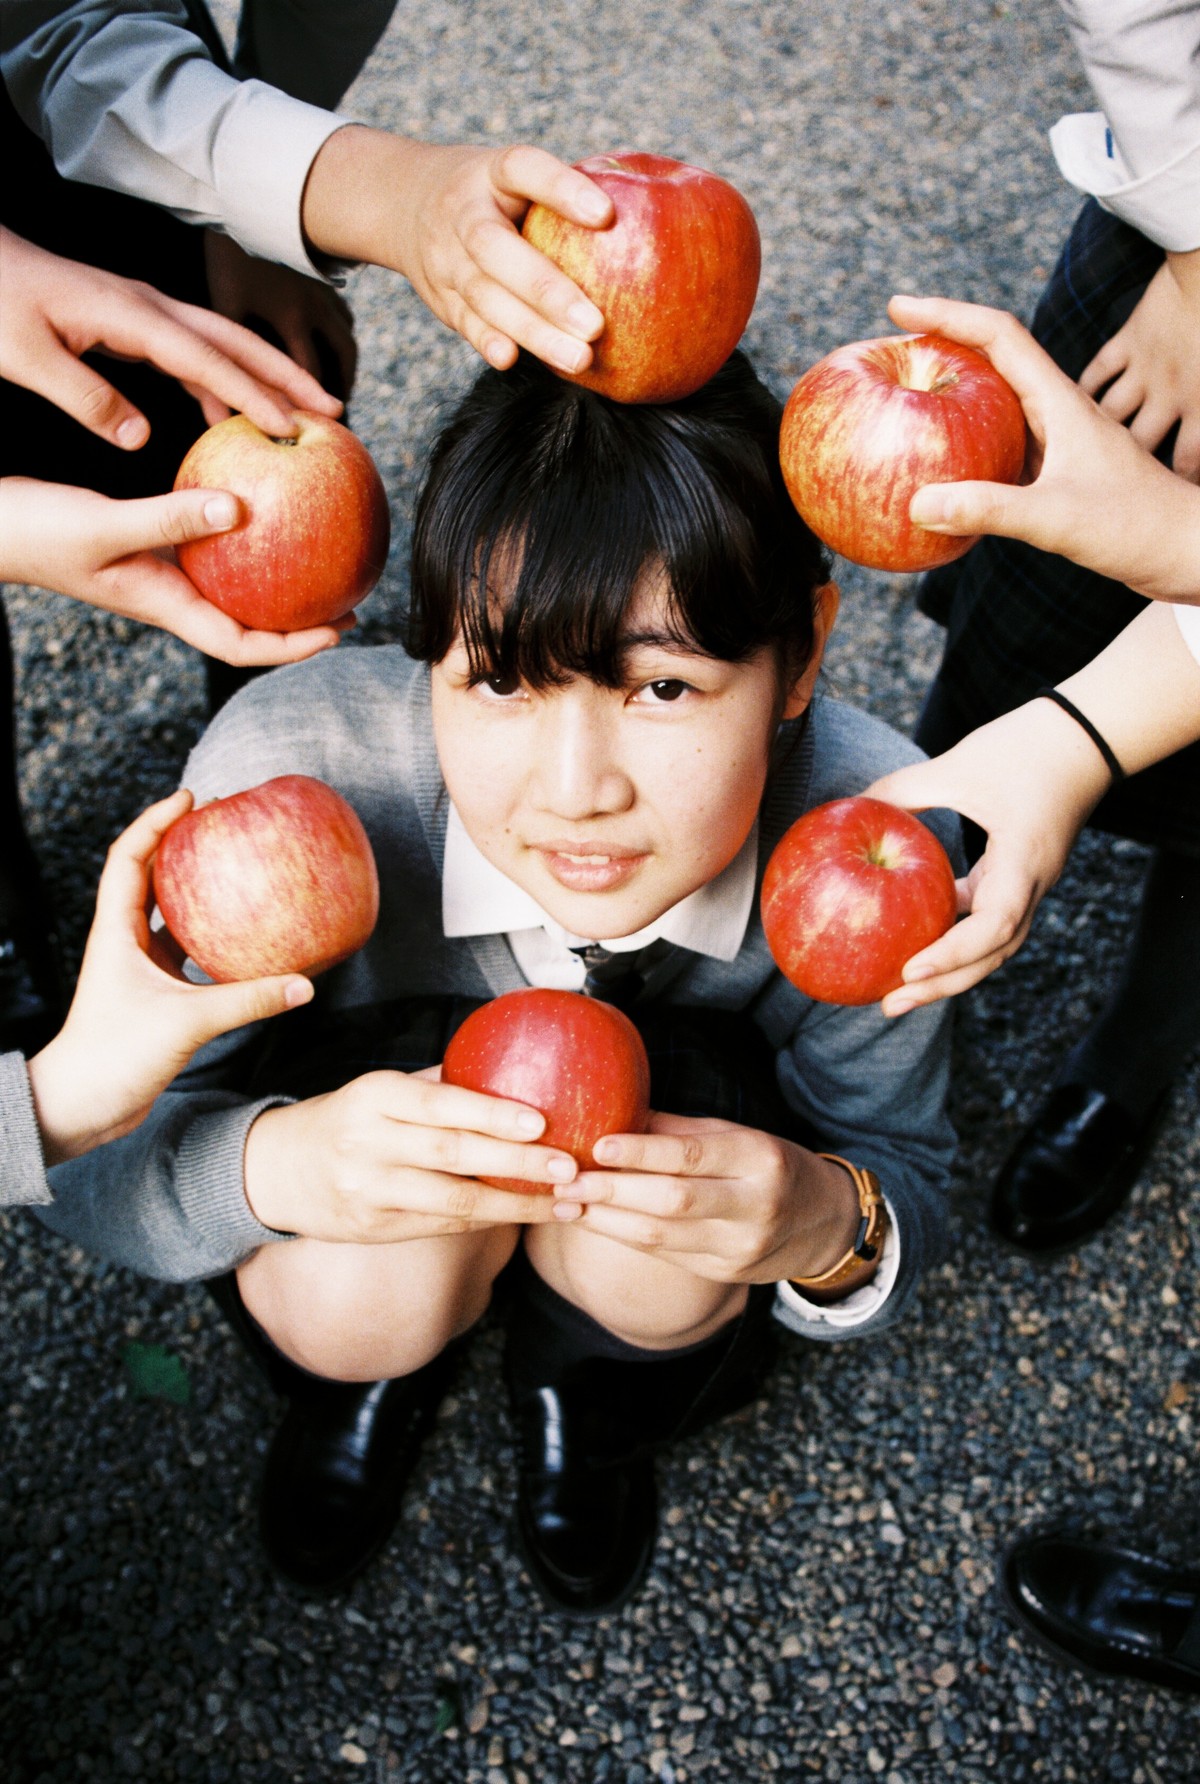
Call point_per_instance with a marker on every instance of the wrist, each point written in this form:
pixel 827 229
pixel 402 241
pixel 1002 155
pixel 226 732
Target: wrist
pixel 349 207
pixel 829 1218
pixel 57 1100
pixel 270 1167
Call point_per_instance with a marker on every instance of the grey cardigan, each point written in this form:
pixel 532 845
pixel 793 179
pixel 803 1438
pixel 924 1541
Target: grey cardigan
pixel 168 1199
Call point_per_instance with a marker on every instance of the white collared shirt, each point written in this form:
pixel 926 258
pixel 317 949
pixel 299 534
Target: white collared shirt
pixel 477 899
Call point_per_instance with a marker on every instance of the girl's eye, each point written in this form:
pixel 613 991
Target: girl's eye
pixel 502 686
pixel 666 690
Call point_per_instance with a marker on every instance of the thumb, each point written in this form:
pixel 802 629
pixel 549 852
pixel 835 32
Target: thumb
pixel 965 509
pixel 919 787
pixel 153 522
pixel 219 1008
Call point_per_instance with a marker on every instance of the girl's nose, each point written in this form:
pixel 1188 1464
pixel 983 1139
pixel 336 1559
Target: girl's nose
pixel 580 770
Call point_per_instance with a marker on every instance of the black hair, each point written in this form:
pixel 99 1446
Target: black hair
pixel 576 496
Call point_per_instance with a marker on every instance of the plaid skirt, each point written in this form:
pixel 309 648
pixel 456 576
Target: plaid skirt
pixel 1019 619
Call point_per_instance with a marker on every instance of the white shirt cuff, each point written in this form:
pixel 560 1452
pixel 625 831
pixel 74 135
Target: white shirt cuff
pixel 1163 205
pixel 266 149
pixel 865 1302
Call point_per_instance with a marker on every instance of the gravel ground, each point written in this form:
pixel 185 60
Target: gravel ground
pixel 822 1602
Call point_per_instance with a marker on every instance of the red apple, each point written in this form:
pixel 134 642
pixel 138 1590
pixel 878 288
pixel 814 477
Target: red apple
pixel 580 1061
pixel 313 537
pixel 278 879
pixel 869 424
pixel 675 275
pixel 853 890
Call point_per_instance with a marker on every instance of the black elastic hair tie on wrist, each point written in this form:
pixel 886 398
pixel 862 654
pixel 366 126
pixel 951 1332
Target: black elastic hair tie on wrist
pixel 1072 711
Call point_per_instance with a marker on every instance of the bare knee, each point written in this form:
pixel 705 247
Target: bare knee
pixel 365 1312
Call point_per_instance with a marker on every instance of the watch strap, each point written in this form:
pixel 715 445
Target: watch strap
pixel 860 1263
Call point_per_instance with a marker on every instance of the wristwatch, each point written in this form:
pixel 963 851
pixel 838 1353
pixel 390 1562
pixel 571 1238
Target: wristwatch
pixel 862 1260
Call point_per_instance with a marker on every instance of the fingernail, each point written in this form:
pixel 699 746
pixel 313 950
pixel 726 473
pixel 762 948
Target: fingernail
pixel 585 319
pixel 929 508
pixel 133 431
pixel 567 1210
pixel 900 1009
pixel 562 1169
pixel 914 974
pixel 594 207
pixel 530 1122
pixel 298 992
pixel 220 511
pixel 570 359
pixel 606 1152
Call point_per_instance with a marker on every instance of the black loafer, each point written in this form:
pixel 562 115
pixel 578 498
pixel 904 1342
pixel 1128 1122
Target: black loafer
pixel 1108 1610
pixel 1070 1170
pixel 586 1517
pixel 587 1503
pixel 337 1469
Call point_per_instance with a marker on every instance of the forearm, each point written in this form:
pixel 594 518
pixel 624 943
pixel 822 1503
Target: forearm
pixel 349 209
pixel 1143 692
pixel 128 98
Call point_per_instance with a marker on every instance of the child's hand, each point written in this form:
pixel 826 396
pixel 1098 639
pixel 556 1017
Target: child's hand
pixel 449 218
pixel 111 554
pixel 394 1156
pixel 1152 365
pixel 134 1022
pixel 1095 495
pixel 722 1201
pixel 301 311
pixel 1029 779
pixel 54 310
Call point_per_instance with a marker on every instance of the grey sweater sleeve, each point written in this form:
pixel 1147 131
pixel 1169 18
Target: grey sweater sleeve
pixel 168 1199
pixel 22 1169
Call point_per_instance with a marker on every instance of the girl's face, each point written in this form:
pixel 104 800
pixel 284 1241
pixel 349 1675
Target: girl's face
pixel 610 805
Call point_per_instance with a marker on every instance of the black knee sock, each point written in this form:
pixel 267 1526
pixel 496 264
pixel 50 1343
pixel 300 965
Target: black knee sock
pixel 644 1396
pixel 1151 1022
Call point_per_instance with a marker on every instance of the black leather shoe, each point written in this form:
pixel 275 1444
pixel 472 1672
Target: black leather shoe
pixel 587 1504
pixel 340 1461
pixel 1107 1610
pixel 1070 1170
pixel 337 1469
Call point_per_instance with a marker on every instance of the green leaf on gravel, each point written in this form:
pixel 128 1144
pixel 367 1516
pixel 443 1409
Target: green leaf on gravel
pixel 155 1374
pixel 448 1707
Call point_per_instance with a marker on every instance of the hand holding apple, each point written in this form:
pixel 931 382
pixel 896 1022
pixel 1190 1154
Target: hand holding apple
pixel 134 1021
pixel 279 878
pixel 313 536
pixel 578 1060
pixel 852 891
pixel 872 423
pixel 675 274
pixel 110 554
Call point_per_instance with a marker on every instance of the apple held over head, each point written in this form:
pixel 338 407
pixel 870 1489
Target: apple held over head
pixel 580 1061
pixel 870 423
pixel 675 275
pixel 313 537
pixel 853 890
pixel 280 878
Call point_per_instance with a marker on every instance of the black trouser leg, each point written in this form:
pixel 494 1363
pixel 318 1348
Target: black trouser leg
pixel 1151 1022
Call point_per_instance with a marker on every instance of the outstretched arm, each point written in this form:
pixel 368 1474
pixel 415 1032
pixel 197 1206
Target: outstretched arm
pixel 1030 779
pixel 116 555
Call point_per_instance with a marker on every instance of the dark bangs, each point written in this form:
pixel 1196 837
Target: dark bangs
pixel 545 504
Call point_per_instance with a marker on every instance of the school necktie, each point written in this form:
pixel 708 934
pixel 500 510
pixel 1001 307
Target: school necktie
pixel 618 978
